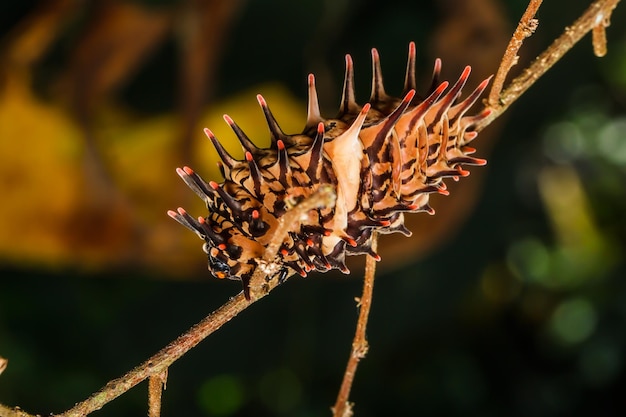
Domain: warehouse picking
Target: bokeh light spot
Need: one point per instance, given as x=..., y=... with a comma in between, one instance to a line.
x=563, y=142
x=529, y=260
x=573, y=321
x=221, y=395
x=612, y=141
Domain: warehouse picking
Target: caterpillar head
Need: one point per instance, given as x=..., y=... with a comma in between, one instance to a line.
x=236, y=261
x=232, y=232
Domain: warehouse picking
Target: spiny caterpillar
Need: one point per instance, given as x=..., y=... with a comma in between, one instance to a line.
x=383, y=159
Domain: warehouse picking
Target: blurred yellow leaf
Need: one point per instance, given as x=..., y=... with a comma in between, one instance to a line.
x=52, y=214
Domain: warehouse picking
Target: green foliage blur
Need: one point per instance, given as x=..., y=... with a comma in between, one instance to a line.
x=521, y=313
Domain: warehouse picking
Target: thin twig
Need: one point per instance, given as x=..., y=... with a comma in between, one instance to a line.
x=599, y=11
x=598, y=38
x=156, y=385
x=343, y=408
x=525, y=28
x=324, y=196
x=160, y=362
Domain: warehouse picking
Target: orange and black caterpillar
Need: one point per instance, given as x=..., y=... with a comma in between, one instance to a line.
x=383, y=159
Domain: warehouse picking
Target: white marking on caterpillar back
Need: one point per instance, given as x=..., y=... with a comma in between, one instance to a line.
x=345, y=153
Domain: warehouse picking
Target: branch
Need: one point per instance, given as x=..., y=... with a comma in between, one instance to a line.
x=325, y=196
x=156, y=385
x=598, y=37
x=598, y=14
x=526, y=27
x=156, y=367
x=159, y=363
x=13, y=412
x=342, y=407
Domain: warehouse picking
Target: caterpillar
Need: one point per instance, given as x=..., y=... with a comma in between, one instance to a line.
x=383, y=159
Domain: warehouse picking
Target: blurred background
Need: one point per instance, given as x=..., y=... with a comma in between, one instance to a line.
x=511, y=300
